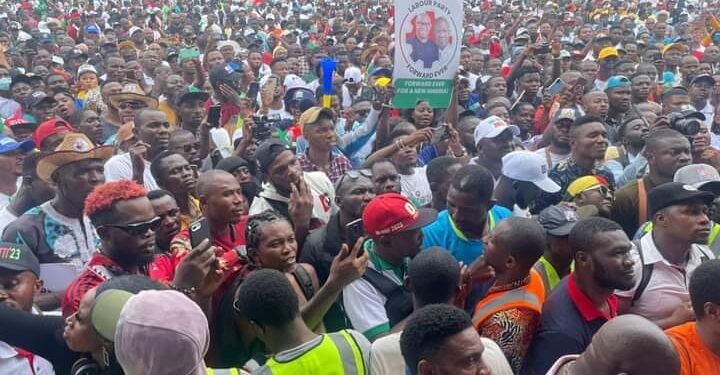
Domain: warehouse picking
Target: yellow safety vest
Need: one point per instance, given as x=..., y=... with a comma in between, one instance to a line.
x=714, y=232
x=223, y=371
x=337, y=354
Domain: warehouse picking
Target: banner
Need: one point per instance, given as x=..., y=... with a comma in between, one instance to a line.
x=428, y=36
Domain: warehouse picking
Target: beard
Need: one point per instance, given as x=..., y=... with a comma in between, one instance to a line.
x=605, y=280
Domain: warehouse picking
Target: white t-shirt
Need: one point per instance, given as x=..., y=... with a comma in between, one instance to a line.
x=386, y=358
x=365, y=305
x=555, y=159
x=416, y=186
x=119, y=167
x=12, y=363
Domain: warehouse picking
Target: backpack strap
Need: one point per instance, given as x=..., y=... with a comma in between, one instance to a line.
x=647, y=270
x=399, y=300
x=642, y=201
x=302, y=276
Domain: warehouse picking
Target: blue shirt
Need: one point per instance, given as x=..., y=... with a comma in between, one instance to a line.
x=443, y=233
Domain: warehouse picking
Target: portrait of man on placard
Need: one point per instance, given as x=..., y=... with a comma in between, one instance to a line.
x=423, y=50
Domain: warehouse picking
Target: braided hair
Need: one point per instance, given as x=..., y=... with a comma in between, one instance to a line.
x=253, y=231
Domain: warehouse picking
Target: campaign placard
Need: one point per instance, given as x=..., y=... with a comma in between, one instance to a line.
x=428, y=37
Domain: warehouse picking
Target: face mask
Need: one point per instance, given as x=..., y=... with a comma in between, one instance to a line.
x=4, y=83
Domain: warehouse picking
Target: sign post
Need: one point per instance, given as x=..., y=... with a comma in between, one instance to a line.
x=428, y=36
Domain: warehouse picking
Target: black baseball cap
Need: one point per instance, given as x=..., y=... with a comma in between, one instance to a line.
x=268, y=151
x=703, y=78
x=20, y=78
x=224, y=73
x=187, y=94
x=673, y=193
x=558, y=220
x=18, y=257
x=39, y=97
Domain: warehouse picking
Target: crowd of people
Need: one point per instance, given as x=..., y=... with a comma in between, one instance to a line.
x=179, y=196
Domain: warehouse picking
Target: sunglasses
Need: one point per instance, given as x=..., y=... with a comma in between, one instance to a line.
x=131, y=105
x=353, y=175
x=604, y=190
x=138, y=229
x=191, y=147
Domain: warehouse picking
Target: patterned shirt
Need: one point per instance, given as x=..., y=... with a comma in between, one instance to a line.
x=566, y=172
x=99, y=269
x=54, y=237
x=339, y=165
x=512, y=329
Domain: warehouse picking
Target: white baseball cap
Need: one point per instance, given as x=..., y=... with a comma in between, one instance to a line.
x=531, y=167
x=353, y=75
x=493, y=126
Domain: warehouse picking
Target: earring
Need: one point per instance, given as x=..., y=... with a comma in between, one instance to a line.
x=105, y=357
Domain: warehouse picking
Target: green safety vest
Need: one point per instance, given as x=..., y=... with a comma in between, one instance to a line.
x=337, y=354
x=223, y=371
x=548, y=273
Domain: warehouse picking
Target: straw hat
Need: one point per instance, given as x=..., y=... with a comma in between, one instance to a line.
x=135, y=93
x=75, y=147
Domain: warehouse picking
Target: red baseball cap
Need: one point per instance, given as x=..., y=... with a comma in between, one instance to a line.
x=48, y=128
x=392, y=213
x=18, y=121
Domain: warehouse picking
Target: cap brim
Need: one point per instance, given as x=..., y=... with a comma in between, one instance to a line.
x=128, y=96
x=709, y=186
x=198, y=95
x=45, y=99
x=15, y=267
x=547, y=185
x=707, y=79
x=426, y=216
x=24, y=146
x=47, y=165
x=106, y=312
x=706, y=196
x=563, y=230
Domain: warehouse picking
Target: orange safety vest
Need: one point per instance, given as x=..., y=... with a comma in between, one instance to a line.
x=531, y=296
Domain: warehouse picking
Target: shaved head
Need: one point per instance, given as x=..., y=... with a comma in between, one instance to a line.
x=622, y=346
x=213, y=179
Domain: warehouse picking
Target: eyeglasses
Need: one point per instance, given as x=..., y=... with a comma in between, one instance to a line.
x=138, y=229
x=353, y=175
x=131, y=105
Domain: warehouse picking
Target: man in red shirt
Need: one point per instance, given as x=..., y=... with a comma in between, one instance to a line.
x=221, y=202
x=126, y=223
